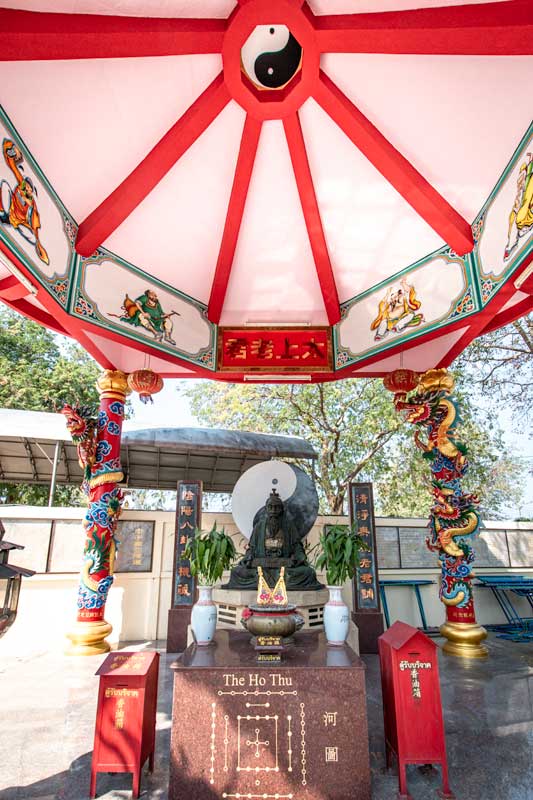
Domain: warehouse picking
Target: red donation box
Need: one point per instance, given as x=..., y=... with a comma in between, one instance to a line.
x=124, y=735
x=412, y=708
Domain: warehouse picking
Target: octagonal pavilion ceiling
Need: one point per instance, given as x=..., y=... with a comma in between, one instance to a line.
x=186, y=185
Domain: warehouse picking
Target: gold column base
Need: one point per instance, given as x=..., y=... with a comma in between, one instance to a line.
x=464, y=639
x=88, y=638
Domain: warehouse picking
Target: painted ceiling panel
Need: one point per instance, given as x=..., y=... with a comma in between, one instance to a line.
x=155, y=8
x=128, y=359
x=371, y=231
x=274, y=275
x=364, y=6
x=175, y=232
x=456, y=119
x=420, y=358
x=88, y=123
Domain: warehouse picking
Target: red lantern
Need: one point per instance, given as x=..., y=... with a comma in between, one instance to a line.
x=146, y=382
x=401, y=381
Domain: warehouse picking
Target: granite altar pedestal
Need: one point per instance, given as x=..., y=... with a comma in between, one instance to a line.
x=292, y=731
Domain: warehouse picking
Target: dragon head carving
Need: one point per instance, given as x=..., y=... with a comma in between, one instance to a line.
x=80, y=420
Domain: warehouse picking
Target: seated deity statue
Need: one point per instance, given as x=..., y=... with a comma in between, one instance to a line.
x=275, y=542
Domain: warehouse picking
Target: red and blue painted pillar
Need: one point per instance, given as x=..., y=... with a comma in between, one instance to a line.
x=98, y=442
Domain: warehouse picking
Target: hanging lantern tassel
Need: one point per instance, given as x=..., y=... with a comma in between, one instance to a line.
x=145, y=382
x=401, y=381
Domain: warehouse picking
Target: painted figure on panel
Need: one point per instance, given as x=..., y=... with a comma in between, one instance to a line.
x=18, y=206
x=147, y=312
x=521, y=216
x=397, y=310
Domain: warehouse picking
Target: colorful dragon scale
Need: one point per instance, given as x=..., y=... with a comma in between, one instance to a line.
x=454, y=514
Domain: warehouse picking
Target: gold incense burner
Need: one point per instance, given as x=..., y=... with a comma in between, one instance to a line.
x=272, y=620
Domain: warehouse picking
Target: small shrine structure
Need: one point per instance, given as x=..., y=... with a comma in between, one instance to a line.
x=270, y=191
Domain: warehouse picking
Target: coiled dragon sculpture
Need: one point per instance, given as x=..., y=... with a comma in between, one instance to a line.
x=104, y=508
x=453, y=514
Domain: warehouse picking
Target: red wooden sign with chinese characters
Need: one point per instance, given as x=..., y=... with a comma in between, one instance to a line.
x=367, y=607
x=412, y=708
x=274, y=350
x=188, y=519
x=124, y=735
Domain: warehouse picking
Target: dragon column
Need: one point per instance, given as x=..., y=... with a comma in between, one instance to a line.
x=454, y=518
x=98, y=442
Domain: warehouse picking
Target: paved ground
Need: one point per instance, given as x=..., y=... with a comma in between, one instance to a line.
x=47, y=708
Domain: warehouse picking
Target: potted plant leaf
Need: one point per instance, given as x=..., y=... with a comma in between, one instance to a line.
x=209, y=553
x=338, y=555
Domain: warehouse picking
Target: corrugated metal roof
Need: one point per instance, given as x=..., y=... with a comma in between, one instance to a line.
x=152, y=458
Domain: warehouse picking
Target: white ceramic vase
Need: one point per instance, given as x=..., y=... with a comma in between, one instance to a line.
x=204, y=616
x=336, y=617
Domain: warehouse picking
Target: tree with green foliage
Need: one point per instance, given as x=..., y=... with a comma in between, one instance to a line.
x=501, y=365
x=358, y=435
x=38, y=372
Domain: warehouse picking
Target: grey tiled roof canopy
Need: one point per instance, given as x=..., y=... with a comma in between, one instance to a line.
x=151, y=458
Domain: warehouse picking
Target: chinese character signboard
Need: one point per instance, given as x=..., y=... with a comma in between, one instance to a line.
x=274, y=350
x=362, y=516
x=367, y=607
x=188, y=518
x=136, y=539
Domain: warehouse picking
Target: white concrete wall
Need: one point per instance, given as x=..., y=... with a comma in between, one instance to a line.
x=138, y=603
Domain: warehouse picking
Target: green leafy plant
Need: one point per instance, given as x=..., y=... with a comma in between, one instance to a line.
x=210, y=553
x=338, y=553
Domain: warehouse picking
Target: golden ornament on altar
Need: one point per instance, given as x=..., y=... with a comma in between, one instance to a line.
x=271, y=597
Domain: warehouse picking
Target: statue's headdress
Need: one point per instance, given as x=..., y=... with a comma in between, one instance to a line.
x=274, y=499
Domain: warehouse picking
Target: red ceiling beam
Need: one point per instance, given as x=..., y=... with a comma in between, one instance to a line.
x=105, y=219
x=12, y=289
x=33, y=36
x=483, y=29
x=400, y=173
x=510, y=315
x=35, y=313
x=317, y=239
x=237, y=202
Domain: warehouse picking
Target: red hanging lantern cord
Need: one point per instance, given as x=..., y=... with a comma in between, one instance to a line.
x=145, y=382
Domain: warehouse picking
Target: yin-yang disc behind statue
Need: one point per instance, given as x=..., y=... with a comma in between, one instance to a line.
x=293, y=485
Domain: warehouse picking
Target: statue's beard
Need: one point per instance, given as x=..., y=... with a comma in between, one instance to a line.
x=273, y=524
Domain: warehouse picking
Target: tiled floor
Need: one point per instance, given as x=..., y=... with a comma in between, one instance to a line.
x=47, y=709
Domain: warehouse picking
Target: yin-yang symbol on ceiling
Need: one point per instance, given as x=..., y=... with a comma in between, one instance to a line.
x=271, y=56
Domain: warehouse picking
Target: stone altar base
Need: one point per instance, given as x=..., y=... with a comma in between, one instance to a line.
x=296, y=731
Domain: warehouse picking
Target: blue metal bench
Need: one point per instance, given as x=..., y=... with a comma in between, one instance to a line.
x=518, y=628
x=415, y=584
